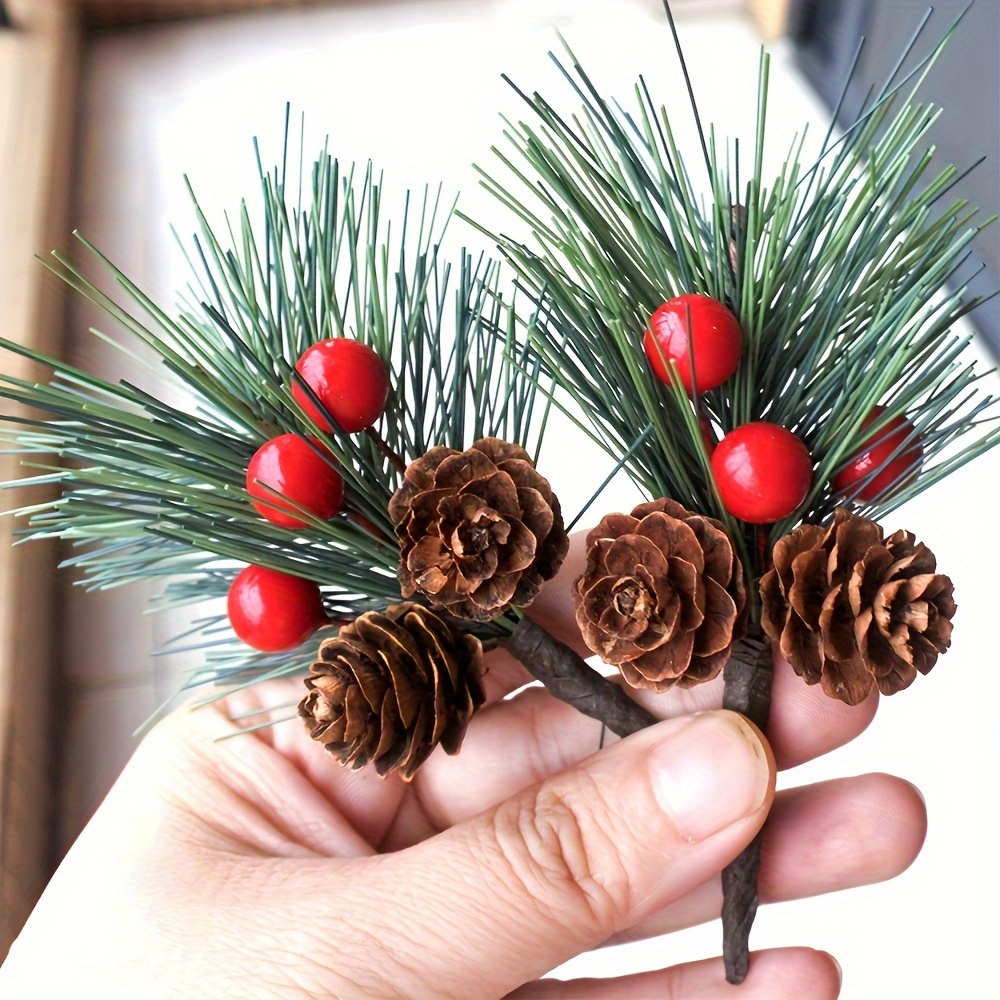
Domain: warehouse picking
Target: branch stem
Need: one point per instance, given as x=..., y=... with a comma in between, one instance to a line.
x=747, y=690
x=566, y=675
x=395, y=460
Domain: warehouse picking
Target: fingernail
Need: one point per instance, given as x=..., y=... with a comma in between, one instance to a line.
x=709, y=774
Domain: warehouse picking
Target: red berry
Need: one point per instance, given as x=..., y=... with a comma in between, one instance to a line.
x=350, y=380
x=763, y=472
x=715, y=334
x=273, y=611
x=293, y=467
x=874, y=453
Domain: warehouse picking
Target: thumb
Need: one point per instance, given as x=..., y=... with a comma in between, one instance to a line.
x=505, y=897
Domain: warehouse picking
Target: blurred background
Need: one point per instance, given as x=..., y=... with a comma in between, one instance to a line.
x=106, y=104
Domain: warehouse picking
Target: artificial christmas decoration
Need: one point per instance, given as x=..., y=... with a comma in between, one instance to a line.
x=837, y=272
x=273, y=611
x=480, y=531
x=884, y=462
x=348, y=380
x=662, y=597
x=853, y=610
x=295, y=469
x=762, y=471
x=701, y=336
x=197, y=492
x=364, y=422
x=391, y=686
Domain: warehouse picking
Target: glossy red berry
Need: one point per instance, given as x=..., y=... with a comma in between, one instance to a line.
x=294, y=468
x=714, y=333
x=763, y=472
x=875, y=452
x=350, y=380
x=273, y=611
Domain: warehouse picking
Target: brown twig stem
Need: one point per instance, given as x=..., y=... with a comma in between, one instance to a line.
x=362, y=522
x=747, y=690
x=398, y=464
x=566, y=675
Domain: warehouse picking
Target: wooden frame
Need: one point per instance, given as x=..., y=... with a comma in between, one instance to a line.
x=39, y=64
x=39, y=57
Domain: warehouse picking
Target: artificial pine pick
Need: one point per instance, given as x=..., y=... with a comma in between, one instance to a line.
x=841, y=383
x=361, y=427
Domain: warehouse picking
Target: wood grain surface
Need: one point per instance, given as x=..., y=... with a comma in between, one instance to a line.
x=38, y=64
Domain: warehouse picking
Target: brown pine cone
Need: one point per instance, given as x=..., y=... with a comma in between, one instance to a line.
x=851, y=609
x=479, y=531
x=662, y=597
x=391, y=686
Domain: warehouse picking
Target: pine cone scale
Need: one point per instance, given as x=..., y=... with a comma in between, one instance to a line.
x=536, y=511
x=811, y=582
x=622, y=555
x=869, y=572
x=852, y=539
x=875, y=647
x=391, y=686
x=802, y=539
x=662, y=596
x=674, y=539
x=846, y=681
x=719, y=621
x=370, y=686
x=522, y=544
x=716, y=549
x=669, y=660
x=479, y=531
x=802, y=648
x=458, y=470
x=855, y=610
x=772, y=604
x=836, y=625
x=688, y=584
x=495, y=595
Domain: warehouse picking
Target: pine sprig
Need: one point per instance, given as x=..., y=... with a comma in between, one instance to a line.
x=151, y=489
x=838, y=271
x=841, y=283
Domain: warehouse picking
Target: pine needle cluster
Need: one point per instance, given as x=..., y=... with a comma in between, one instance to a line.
x=154, y=490
x=841, y=271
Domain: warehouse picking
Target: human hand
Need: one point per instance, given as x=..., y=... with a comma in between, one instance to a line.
x=257, y=867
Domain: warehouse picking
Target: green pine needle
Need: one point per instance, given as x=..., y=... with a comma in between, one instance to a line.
x=841, y=285
x=154, y=490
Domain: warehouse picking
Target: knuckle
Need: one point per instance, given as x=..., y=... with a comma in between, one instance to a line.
x=561, y=856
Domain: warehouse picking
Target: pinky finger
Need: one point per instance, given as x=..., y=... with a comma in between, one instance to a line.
x=779, y=974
